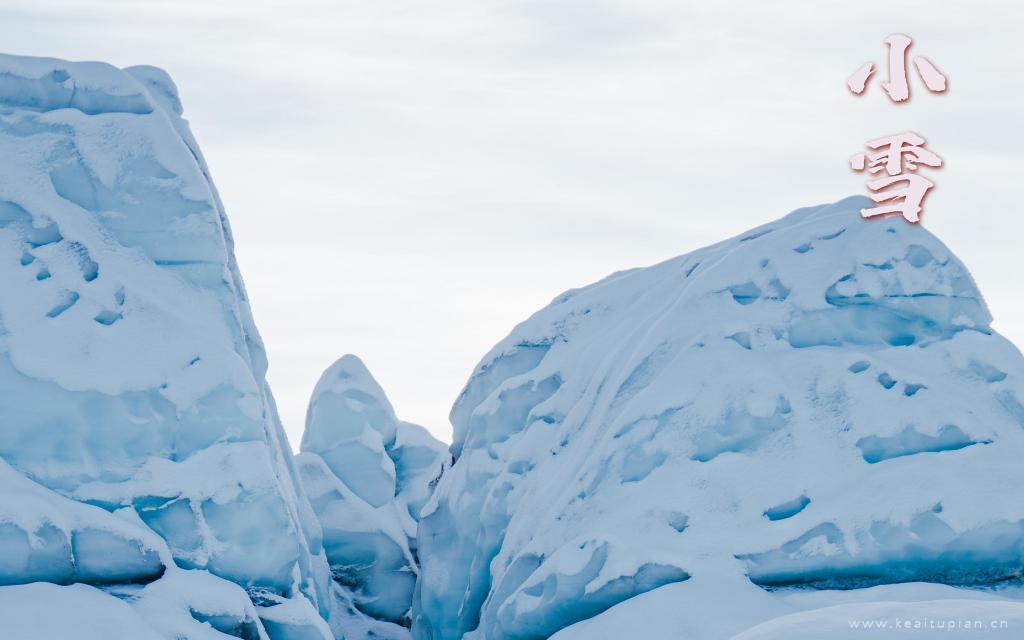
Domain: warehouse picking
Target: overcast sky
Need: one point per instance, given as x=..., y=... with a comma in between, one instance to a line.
x=408, y=180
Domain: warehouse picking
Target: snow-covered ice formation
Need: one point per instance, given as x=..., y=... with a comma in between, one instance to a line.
x=809, y=425
x=819, y=405
x=142, y=456
x=367, y=475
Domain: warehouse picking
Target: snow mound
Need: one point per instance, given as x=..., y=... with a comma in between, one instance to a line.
x=86, y=613
x=914, y=610
x=367, y=475
x=132, y=377
x=818, y=404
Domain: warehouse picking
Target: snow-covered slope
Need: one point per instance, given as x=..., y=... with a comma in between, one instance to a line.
x=818, y=404
x=139, y=440
x=368, y=475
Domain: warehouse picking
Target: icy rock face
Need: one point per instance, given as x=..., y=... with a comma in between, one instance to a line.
x=818, y=403
x=367, y=475
x=131, y=373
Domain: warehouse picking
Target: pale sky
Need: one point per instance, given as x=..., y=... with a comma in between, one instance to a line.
x=408, y=180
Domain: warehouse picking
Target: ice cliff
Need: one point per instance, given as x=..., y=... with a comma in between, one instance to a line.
x=368, y=475
x=815, y=413
x=145, y=473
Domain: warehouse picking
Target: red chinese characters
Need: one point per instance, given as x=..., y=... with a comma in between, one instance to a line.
x=898, y=84
x=895, y=159
x=899, y=157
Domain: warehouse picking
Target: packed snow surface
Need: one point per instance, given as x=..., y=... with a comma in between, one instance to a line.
x=817, y=405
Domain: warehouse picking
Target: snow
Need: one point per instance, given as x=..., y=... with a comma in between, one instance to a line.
x=925, y=619
x=86, y=613
x=367, y=476
x=196, y=604
x=682, y=611
x=818, y=404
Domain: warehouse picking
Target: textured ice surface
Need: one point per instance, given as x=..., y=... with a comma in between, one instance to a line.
x=367, y=475
x=131, y=374
x=817, y=404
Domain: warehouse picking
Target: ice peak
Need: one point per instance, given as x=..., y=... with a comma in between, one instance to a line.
x=347, y=398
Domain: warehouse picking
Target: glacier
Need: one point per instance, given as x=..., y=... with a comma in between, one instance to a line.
x=817, y=406
x=810, y=424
